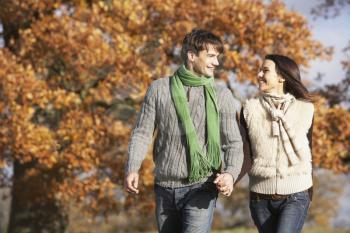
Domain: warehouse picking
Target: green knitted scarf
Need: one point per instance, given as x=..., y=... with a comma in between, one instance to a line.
x=201, y=163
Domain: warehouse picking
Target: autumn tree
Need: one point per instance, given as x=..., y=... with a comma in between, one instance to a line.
x=73, y=74
x=338, y=93
x=330, y=8
x=335, y=105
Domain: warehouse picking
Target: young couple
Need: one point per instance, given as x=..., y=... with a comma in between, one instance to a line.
x=198, y=149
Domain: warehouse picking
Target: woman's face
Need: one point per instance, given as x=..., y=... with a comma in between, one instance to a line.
x=268, y=79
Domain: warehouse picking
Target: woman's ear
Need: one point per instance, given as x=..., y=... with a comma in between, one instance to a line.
x=281, y=79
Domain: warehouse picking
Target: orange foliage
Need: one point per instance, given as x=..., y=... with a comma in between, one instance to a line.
x=72, y=73
x=331, y=137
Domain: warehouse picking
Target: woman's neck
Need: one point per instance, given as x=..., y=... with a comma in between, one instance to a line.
x=278, y=92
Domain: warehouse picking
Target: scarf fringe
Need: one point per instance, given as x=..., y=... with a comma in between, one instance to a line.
x=200, y=167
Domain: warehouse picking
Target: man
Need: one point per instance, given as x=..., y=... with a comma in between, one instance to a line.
x=195, y=123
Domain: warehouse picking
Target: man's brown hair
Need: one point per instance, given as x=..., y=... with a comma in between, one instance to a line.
x=198, y=40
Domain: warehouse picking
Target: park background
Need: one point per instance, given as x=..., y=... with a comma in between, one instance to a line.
x=72, y=78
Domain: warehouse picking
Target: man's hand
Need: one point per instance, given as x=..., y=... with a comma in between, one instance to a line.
x=131, y=182
x=224, y=183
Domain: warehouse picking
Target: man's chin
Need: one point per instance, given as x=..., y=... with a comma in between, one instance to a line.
x=209, y=74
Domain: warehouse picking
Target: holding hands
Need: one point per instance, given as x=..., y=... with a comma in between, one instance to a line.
x=224, y=183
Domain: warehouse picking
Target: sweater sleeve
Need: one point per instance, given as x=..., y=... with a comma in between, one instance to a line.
x=247, y=161
x=309, y=134
x=231, y=139
x=142, y=134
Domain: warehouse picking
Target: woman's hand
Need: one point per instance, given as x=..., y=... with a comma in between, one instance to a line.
x=224, y=183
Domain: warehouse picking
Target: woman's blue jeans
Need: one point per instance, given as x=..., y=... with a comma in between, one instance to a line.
x=280, y=216
x=187, y=209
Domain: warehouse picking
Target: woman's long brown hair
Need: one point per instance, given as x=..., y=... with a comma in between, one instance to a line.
x=289, y=70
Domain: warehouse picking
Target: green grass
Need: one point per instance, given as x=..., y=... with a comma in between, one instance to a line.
x=237, y=230
x=313, y=230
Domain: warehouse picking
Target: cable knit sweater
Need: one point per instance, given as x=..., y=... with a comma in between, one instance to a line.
x=272, y=172
x=170, y=154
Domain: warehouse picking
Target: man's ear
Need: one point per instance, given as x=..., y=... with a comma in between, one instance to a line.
x=190, y=56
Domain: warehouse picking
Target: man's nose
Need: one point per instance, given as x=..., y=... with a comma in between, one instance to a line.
x=260, y=74
x=216, y=62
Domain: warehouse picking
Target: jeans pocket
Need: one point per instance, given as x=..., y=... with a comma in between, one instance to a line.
x=159, y=190
x=211, y=188
x=302, y=199
x=155, y=188
x=253, y=203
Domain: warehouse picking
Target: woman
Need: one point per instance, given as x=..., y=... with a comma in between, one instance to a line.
x=279, y=128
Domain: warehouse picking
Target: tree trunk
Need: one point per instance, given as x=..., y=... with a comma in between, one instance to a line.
x=33, y=209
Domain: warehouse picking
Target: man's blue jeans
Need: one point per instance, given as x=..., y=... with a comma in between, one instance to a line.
x=187, y=209
x=280, y=216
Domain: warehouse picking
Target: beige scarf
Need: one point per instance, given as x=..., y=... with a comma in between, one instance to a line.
x=280, y=127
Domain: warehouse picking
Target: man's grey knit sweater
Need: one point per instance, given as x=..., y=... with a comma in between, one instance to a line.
x=170, y=153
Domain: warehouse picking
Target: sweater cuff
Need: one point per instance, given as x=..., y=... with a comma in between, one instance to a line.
x=233, y=171
x=132, y=167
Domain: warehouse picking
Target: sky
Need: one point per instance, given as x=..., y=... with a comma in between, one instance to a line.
x=330, y=32
x=1, y=38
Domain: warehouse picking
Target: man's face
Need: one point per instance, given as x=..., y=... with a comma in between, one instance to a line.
x=205, y=62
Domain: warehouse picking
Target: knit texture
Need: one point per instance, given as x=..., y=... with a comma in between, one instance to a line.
x=272, y=170
x=170, y=151
x=201, y=164
x=280, y=126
